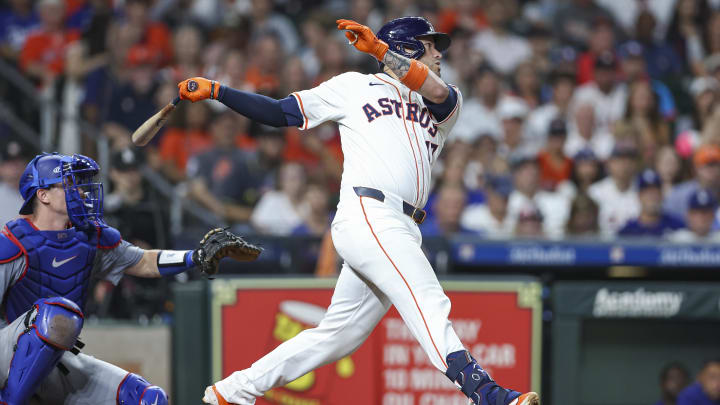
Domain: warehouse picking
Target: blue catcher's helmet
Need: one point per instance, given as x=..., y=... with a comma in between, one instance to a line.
x=76, y=173
x=401, y=36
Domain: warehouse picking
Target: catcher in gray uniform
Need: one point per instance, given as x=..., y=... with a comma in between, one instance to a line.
x=47, y=257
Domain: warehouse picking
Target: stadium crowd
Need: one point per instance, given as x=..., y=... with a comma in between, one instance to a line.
x=595, y=118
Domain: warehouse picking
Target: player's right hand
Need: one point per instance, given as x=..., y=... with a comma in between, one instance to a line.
x=198, y=88
x=362, y=38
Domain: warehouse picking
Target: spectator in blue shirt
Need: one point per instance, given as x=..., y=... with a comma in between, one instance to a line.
x=16, y=23
x=673, y=378
x=635, y=67
x=652, y=221
x=449, y=206
x=706, y=390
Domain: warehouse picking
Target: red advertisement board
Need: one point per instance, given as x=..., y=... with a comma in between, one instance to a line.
x=497, y=321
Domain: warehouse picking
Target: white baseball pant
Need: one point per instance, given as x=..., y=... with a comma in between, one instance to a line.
x=384, y=265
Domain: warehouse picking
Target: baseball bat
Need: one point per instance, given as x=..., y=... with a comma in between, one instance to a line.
x=149, y=128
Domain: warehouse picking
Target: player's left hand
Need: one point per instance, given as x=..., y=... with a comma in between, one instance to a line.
x=219, y=243
x=362, y=38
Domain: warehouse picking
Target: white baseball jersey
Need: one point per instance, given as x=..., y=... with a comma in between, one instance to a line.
x=390, y=139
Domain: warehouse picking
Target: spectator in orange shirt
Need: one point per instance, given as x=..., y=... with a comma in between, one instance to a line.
x=465, y=14
x=43, y=55
x=155, y=35
x=180, y=143
x=555, y=167
x=602, y=40
x=263, y=73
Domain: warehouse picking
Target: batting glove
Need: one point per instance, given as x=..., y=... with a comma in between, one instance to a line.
x=198, y=88
x=362, y=38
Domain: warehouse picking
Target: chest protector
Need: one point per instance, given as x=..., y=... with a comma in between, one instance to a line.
x=58, y=264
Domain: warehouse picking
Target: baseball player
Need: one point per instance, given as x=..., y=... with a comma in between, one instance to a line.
x=392, y=126
x=47, y=257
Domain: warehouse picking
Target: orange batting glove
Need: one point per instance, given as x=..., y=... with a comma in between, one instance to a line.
x=362, y=38
x=198, y=88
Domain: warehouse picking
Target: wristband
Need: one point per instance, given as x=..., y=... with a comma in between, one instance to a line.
x=416, y=75
x=171, y=262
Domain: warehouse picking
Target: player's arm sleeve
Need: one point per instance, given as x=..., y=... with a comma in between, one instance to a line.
x=443, y=110
x=447, y=122
x=263, y=109
x=326, y=102
x=112, y=263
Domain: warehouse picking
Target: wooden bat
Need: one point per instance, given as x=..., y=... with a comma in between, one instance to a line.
x=149, y=128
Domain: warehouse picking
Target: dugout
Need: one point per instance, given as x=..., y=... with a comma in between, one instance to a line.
x=611, y=339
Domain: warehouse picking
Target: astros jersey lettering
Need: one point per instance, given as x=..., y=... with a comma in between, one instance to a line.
x=390, y=140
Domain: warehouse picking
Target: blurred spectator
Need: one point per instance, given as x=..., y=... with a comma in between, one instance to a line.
x=686, y=30
x=707, y=176
x=652, y=221
x=673, y=378
x=225, y=179
x=604, y=93
x=462, y=14
x=448, y=207
x=504, y=51
x=154, y=36
x=706, y=391
x=316, y=211
x=627, y=13
x=105, y=80
x=14, y=159
x=132, y=207
x=131, y=103
x=541, y=42
x=602, y=41
x=16, y=23
x=512, y=114
x=526, y=84
x=574, y=21
x=616, y=195
x=634, y=67
x=279, y=211
x=263, y=73
x=662, y=61
x=187, y=43
x=43, y=53
x=704, y=91
x=529, y=223
x=178, y=143
x=267, y=22
x=480, y=112
x=669, y=168
x=583, y=219
x=700, y=217
x=538, y=122
x=555, y=167
x=484, y=162
x=643, y=116
x=586, y=170
x=585, y=134
x=554, y=207
x=490, y=219
x=711, y=45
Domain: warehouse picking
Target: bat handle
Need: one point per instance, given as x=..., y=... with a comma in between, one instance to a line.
x=176, y=101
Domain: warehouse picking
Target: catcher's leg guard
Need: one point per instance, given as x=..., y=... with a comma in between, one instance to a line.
x=475, y=382
x=56, y=325
x=136, y=390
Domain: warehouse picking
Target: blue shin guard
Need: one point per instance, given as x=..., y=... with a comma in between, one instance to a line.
x=475, y=382
x=54, y=330
x=136, y=390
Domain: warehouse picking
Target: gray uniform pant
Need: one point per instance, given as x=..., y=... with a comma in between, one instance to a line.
x=89, y=380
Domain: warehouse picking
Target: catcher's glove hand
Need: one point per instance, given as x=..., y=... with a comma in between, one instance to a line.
x=219, y=243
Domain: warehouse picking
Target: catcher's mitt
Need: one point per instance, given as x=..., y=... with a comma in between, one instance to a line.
x=219, y=243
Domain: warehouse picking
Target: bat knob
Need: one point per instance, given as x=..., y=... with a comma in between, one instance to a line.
x=192, y=85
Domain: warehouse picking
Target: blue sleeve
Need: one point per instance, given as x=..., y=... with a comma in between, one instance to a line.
x=441, y=110
x=265, y=110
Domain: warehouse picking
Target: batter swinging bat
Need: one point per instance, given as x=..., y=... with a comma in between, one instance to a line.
x=149, y=128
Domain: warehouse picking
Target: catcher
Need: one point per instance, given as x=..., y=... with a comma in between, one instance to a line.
x=47, y=257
